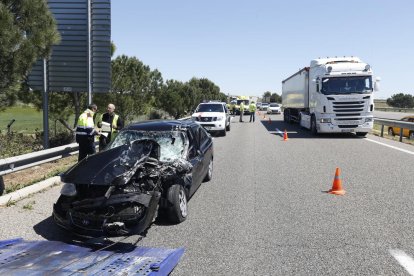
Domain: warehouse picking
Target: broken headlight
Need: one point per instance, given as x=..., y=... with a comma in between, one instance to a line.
x=68, y=189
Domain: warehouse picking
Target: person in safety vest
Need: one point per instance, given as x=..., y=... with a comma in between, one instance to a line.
x=241, y=111
x=85, y=132
x=113, y=125
x=252, y=110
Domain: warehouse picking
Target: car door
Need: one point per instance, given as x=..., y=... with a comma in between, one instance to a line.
x=195, y=157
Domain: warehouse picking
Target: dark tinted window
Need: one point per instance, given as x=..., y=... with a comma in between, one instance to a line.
x=210, y=108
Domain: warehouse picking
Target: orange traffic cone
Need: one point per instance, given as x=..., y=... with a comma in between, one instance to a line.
x=285, y=136
x=337, y=184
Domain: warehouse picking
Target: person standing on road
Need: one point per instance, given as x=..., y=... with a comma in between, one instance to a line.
x=252, y=110
x=115, y=125
x=85, y=132
x=241, y=111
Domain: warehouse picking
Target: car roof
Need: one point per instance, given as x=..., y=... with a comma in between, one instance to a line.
x=160, y=125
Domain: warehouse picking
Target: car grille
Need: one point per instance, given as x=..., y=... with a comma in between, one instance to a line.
x=204, y=119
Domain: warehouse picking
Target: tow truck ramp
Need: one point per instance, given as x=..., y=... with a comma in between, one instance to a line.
x=20, y=257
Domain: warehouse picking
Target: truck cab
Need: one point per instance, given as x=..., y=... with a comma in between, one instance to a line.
x=332, y=95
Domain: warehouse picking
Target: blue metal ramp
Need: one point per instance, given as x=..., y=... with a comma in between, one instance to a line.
x=19, y=257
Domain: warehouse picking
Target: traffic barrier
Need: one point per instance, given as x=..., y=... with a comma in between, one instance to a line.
x=337, y=184
x=285, y=136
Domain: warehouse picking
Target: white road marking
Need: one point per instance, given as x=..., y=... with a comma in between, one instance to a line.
x=405, y=261
x=403, y=150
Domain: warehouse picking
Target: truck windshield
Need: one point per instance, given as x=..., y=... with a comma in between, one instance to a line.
x=347, y=85
x=246, y=102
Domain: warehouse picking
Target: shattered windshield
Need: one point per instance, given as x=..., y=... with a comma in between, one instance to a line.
x=347, y=85
x=172, y=143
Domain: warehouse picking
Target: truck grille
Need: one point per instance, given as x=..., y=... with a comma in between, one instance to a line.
x=348, y=108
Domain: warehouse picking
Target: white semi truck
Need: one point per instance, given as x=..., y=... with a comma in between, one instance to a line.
x=332, y=95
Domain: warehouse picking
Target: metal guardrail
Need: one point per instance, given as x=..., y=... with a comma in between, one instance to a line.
x=394, y=123
x=20, y=162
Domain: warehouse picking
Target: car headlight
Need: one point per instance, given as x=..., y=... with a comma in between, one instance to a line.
x=219, y=118
x=325, y=120
x=68, y=189
x=369, y=119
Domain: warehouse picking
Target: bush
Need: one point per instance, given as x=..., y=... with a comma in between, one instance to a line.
x=13, y=144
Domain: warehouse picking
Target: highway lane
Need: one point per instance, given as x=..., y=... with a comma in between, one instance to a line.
x=266, y=212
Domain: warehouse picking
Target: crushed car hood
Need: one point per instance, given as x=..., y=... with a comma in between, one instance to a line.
x=113, y=166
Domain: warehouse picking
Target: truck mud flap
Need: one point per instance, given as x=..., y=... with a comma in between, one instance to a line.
x=19, y=257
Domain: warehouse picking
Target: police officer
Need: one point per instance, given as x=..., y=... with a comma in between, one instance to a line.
x=241, y=111
x=115, y=124
x=252, y=110
x=85, y=132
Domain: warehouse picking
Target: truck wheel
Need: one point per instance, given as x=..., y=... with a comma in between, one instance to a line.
x=177, y=198
x=411, y=137
x=285, y=116
x=314, y=130
x=390, y=132
x=361, y=134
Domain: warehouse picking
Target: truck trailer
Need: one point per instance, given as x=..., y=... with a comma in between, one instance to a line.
x=333, y=95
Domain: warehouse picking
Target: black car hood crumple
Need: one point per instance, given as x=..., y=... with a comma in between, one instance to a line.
x=113, y=166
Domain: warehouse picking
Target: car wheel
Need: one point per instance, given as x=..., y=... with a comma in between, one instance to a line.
x=361, y=134
x=177, y=198
x=209, y=174
x=390, y=131
x=314, y=130
x=228, y=127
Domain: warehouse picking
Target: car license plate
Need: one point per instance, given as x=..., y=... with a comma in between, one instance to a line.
x=347, y=130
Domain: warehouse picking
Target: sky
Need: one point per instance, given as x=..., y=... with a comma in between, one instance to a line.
x=249, y=47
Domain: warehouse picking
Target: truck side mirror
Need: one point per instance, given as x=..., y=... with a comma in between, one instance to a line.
x=376, y=84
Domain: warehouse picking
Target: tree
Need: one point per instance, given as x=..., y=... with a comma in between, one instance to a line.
x=275, y=98
x=266, y=96
x=27, y=33
x=401, y=100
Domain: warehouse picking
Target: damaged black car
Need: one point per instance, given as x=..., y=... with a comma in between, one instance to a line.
x=151, y=168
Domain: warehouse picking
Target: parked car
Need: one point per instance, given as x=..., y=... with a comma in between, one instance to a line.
x=406, y=132
x=273, y=108
x=214, y=117
x=150, y=166
x=264, y=106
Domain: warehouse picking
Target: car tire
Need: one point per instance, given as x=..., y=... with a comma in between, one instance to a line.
x=228, y=127
x=361, y=134
x=177, y=198
x=391, y=132
x=209, y=174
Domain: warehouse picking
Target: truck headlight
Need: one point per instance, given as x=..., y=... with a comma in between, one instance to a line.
x=367, y=120
x=219, y=118
x=68, y=189
x=325, y=120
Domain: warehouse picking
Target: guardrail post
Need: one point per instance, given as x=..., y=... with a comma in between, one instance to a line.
x=382, y=130
x=1, y=185
x=401, y=134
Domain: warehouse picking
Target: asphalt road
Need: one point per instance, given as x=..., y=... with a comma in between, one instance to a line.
x=266, y=211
